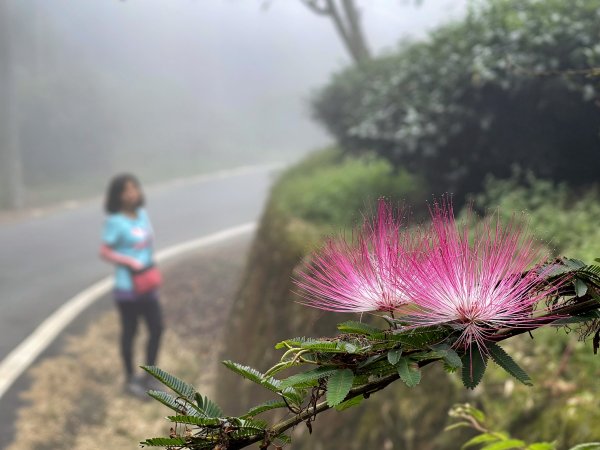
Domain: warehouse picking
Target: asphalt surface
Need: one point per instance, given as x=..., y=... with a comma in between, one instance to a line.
x=47, y=260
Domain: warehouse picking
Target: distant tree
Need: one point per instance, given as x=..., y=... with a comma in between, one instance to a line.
x=56, y=127
x=346, y=18
x=11, y=179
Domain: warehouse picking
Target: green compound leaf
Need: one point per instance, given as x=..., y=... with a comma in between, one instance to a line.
x=419, y=338
x=474, y=365
x=270, y=383
x=361, y=328
x=319, y=345
x=198, y=421
x=338, y=386
x=164, y=442
x=293, y=395
x=587, y=446
x=248, y=428
x=409, y=372
x=207, y=406
x=177, y=404
x=393, y=356
x=350, y=403
x=505, y=445
x=254, y=375
x=573, y=263
x=172, y=382
x=484, y=438
x=500, y=357
x=308, y=379
x=541, y=446
x=456, y=425
x=266, y=406
x=370, y=360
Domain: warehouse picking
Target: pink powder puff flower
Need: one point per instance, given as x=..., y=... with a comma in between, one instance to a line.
x=476, y=280
x=359, y=276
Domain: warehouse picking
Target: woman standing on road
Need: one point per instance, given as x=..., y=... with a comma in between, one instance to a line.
x=127, y=240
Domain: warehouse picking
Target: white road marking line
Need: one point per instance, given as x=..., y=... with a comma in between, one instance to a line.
x=21, y=357
x=36, y=213
x=219, y=175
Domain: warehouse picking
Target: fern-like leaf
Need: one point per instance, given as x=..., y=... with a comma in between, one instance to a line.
x=318, y=345
x=500, y=357
x=175, y=384
x=361, y=328
x=419, y=338
x=474, y=364
x=293, y=395
x=308, y=379
x=209, y=422
x=164, y=442
x=208, y=407
x=266, y=406
x=572, y=263
x=350, y=403
x=587, y=446
x=177, y=404
x=254, y=375
x=249, y=427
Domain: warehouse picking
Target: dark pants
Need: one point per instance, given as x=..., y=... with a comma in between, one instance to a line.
x=148, y=308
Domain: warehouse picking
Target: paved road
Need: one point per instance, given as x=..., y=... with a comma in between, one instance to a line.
x=45, y=261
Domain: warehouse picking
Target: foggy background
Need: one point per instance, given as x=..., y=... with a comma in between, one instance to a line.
x=173, y=88
x=496, y=102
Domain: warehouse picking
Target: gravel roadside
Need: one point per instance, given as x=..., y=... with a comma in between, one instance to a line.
x=75, y=398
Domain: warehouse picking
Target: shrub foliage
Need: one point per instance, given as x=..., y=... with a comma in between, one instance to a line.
x=517, y=81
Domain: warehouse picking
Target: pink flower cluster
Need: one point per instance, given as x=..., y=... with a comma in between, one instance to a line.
x=475, y=279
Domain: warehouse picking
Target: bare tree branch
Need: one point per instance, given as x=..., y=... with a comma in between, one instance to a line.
x=314, y=6
x=346, y=19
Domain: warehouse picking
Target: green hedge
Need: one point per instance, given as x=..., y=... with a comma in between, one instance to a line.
x=565, y=219
x=331, y=190
x=517, y=81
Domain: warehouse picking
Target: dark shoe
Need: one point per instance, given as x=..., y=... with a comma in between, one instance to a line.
x=150, y=383
x=135, y=387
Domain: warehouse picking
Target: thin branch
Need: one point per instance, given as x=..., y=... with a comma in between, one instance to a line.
x=585, y=304
x=314, y=6
x=364, y=390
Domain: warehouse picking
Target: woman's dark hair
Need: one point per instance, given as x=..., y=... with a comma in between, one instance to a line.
x=116, y=187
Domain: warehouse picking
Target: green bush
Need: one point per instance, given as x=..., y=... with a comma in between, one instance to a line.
x=515, y=82
x=567, y=220
x=329, y=190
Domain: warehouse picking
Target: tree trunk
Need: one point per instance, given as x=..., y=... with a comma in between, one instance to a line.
x=346, y=19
